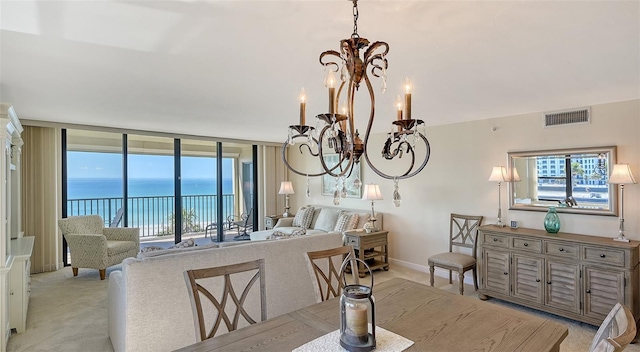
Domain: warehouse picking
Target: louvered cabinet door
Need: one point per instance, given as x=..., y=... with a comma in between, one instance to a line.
x=527, y=277
x=562, y=286
x=603, y=289
x=495, y=271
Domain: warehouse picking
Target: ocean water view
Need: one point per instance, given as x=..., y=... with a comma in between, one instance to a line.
x=150, y=202
x=83, y=188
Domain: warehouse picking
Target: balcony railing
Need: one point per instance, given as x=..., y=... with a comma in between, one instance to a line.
x=154, y=214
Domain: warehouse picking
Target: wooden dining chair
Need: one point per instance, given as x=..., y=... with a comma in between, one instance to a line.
x=325, y=265
x=616, y=331
x=198, y=293
x=463, y=232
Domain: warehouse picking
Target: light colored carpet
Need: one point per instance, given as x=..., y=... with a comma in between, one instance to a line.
x=69, y=313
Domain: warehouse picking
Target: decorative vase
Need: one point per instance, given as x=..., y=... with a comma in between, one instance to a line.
x=552, y=221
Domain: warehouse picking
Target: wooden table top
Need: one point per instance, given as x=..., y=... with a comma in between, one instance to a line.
x=434, y=319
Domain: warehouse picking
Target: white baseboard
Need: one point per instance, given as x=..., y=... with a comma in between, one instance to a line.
x=468, y=277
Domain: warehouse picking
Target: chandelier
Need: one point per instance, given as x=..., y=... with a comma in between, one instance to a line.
x=335, y=131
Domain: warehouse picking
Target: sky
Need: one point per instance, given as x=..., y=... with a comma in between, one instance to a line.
x=109, y=165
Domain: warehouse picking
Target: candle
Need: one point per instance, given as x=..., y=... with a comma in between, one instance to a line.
x=343, y=111
x=407, y=98
x=399, y=106
x=356, y=321
x=303, y=105
x=330, y=83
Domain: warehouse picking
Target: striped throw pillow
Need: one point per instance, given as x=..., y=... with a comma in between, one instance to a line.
x=346, y=221
x=303, y=217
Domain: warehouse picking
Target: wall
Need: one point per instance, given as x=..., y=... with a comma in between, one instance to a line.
x=455, y=180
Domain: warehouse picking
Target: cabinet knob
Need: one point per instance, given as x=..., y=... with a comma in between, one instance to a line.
x=561, y=249
x=526, y=244
x=588, y=291
x=495, y=240
x=506, y=273
x=602, y=255
x=537, y=280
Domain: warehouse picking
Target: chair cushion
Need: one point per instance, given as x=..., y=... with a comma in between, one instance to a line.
x=452, y=260
x=303, y=217
x=117, y=247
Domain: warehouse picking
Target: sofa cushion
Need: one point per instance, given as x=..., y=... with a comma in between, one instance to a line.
x=346, y=221
x=156, y=253
x=303, y=217
x=327, y=219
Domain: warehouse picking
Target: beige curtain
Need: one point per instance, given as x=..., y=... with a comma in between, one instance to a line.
x=274, y=171
x=40, y=195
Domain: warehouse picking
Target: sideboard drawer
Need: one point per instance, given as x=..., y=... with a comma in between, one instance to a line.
x=529, y=245
x=604, y=256
x=564, y=250
x=491, y=239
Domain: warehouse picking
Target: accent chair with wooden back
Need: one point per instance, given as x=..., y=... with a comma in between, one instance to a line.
x=617, y=330
x=238, y=275
x=325, y=267
x=96, y=247
x=463, y=232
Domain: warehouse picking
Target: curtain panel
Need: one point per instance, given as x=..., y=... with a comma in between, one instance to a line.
x=41, y=175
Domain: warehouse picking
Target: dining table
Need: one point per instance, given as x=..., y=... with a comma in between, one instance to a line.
x=434, y=319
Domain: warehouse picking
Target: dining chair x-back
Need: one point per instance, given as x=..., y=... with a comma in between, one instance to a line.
x=324, y=265
x=463, y=233
x=230, y=316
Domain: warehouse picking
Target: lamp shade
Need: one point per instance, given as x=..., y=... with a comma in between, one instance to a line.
x=514, y=175
x=372, y=192
x=621, y=174
x=286, y=188
x=498, y=174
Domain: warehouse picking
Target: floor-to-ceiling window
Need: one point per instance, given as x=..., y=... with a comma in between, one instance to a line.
x=166, y=196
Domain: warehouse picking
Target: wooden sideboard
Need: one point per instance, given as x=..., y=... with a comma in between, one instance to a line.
x=576, y=276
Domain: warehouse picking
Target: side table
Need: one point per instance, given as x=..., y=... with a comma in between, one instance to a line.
x=271, y=220
x=371, y=248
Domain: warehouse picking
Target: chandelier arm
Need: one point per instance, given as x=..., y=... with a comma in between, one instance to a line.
x=286, y=162
x=330, y=63
x=369, y=56
x=328, y=170
x=406, y=174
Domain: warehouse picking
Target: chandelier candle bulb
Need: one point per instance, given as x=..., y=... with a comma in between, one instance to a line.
x=407, y=98
x=303, y=106
x=332, y=92
x=399, y=106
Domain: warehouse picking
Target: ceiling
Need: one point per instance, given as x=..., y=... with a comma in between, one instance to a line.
x=234, y=69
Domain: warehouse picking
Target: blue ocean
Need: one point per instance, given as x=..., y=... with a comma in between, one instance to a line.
x=150, y=202
x=83, y=188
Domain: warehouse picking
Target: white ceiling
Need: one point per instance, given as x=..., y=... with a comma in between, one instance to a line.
x=234, y=69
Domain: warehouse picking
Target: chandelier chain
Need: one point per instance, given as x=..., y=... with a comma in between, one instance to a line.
x=355, y=20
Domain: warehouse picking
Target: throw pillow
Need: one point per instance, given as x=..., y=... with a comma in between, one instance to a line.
x=150, y=249
x=184, y=244
x=276, y=235
x=303, y=217
x=327, y=219
x=346, y=222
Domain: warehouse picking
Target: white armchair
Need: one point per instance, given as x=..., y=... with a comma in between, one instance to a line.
x=96, y=247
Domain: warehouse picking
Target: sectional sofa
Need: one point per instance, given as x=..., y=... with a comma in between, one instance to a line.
x=324, y=220
x=149, y=307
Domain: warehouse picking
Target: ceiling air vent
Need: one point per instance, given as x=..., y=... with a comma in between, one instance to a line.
x=567, y=117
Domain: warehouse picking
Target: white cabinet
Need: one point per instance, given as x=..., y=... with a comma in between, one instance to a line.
x=20, y=282
x=10, y=149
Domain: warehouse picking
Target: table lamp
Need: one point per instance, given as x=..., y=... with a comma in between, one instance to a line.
x=372, y=193
x=286, y=188
x=499, y=174
x=621, y=175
